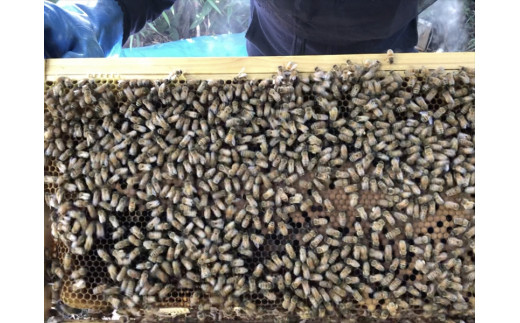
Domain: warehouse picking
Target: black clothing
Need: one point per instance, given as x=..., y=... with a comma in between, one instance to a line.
x=311, y=27
x=136, y=13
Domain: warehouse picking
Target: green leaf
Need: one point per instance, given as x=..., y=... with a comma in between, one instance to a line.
x=165, y=16
x=153, y=27
x=196, y=22
x=175, y=20
x=229, y=12
x=206, y=9
x=212, y=3
x=174, y=34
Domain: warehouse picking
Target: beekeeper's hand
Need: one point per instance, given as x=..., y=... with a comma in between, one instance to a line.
x=92, y=28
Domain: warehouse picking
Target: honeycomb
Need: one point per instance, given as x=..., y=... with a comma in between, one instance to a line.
x=437, y=227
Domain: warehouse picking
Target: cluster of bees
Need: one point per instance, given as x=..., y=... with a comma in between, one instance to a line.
x=218, y=168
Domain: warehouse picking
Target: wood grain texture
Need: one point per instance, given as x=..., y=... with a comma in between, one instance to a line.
x=229, y=67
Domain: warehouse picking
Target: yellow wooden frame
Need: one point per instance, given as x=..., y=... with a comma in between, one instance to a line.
x=229, y=67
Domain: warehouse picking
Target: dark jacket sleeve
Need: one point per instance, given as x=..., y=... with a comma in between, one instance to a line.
x=138, y=12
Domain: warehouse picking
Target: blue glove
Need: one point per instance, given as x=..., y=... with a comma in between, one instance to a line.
x=85, y=29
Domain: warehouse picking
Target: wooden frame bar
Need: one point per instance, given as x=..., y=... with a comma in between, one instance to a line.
x=229, y=67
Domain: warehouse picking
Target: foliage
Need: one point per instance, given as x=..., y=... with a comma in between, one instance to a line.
x=191, y=18
x=469, y=11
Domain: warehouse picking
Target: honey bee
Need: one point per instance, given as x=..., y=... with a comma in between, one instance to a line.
x=378, y=170
x=467, y=204
x=328, y=205
x=402, y=248
x=452, y=241
x=451, y=205
x=365, y=183
x=470, y=233
x=79, y=284
x=322, y=249
x=393, y=233
x=359, y=230
x=296, y=199
x=137, y=232
x=351, y=189
x=362, y=213
x=415, y=249
x=390, y=56
x=319, y=221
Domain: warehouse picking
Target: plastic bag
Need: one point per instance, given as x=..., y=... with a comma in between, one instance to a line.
x=224, y=45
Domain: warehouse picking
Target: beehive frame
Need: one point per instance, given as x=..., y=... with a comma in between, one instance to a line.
x=256, y=68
